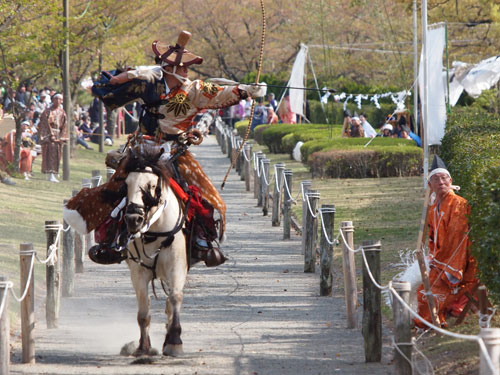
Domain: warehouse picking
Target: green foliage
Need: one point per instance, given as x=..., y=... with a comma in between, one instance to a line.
x=470, y=149
x=308, y=148
x=335, y=112
x=378, y=161
x=489, y=100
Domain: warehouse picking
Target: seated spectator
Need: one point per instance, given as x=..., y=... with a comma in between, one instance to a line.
x=408, y=134
x=80, y=140
x=356, y=130
x=84, y=128
x=272, y=117
x=346, y=128
x=386, y=130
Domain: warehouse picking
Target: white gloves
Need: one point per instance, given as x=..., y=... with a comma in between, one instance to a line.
x=254, y=91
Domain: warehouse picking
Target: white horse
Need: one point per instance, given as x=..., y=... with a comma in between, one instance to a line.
x=154, y=215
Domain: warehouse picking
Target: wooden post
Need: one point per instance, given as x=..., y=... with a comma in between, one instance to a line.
x=52, y=274
x=372, y=314
x=311, y=231
x=68, y=261
x=26, y=254
x=237, y=163
x=260, y=169
x=4, y=327
x=278, y=187
x=223, y=141
x=265, y=185
x=349, y=266
x=491, y=338
x=79, y=248
x=109, y=172
x=305, y=186
x=326, y=250
x=287, y=204
x=248, y=165
x=402, y=333
x=256, y=173
x=229, y=144
x=96, y=178
x=242, y=161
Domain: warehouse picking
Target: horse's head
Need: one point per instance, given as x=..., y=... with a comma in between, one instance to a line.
x=144, y=189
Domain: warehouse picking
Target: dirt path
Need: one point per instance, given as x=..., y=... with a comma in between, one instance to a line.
x=257, y=314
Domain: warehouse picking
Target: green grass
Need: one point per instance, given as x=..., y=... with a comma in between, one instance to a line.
x=385, y=209
x=25, y=207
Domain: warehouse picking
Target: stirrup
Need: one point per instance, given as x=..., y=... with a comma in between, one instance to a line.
x=212, y=256
x=106, y=254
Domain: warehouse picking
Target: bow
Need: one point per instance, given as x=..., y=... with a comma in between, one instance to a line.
x=252, y=109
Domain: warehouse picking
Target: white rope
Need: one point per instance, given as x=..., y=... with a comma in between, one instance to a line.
x=247, y=158
x=346, y=244
x=263, y=172
x=309, y=206
x=28, y=280
x=335, y=241
x=98, y=178
x=287, y=188
x=276, y=182
x=258, y=166
x=52, y=257
x=4, y=285
x=485, y=319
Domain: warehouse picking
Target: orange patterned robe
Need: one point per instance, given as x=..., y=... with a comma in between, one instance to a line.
x=452, y=269
x=184, y=102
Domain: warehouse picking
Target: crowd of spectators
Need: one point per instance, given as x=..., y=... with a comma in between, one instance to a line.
x=265, y=112
x=31, y=103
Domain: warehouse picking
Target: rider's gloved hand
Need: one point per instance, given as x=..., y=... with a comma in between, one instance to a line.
x=254, y=90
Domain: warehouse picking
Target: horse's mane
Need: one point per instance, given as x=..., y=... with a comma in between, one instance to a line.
x=143, y=156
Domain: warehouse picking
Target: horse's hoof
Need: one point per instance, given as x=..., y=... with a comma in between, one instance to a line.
x=173, y=350
x=129, y=349
x=142, y=352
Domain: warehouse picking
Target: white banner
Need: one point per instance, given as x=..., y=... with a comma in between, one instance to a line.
x=436, y=106
x=297, y=80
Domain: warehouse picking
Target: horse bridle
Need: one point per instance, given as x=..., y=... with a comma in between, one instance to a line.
x=151, y=236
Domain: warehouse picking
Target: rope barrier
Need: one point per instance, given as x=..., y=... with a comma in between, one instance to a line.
x=247, y=158
x=293, y=200
x=278, y=187
x=309, y=203
x=51, y=259
x=389, y=287
x=263, y=170
x=328, y=210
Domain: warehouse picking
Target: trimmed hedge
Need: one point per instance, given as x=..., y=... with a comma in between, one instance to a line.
x=471, y=149
x=282, y=138
x=378, y=161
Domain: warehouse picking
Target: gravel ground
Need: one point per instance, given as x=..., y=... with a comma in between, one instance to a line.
x=258, y=314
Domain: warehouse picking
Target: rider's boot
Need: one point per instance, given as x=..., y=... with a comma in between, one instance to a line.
x=105, y=253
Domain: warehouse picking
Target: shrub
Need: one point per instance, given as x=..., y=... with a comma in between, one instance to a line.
x=258, y=131
x=470, y=149
x=241, y=128
x=388, y=161
x=274, y=136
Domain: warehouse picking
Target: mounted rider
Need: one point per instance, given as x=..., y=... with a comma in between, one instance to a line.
x=170, y=102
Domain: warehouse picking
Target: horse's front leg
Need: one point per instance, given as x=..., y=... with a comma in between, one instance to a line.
x=140, y=280
x=175, y=273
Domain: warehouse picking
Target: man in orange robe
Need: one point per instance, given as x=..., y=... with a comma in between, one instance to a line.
x=452, y=269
